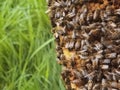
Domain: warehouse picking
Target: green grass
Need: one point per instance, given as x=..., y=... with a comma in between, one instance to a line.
x=27, y=51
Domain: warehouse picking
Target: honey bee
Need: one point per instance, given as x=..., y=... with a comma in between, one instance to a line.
x=67, y=45
x=82, y=88
x=77, y=45
x=104, y=88
x=77, y=73
x=64, y=3
x=115, y=35
x=57, y=15
x=59, y=30
x=105, y=67
x=84, y=9
x=56, y=4
x=75, y=1
x=103, y=15
x=89, y=17
x=65, y=39
x=58, y=47
x=95, y=63
x=117, y=11
x=48, y=11
x=90, y=84
x=85, y=35
x=98, y=46
x=63, y=14
x=91, y=75
x=109, y=10
x=112, y=18
x=114, y=63
x=106, y=61
x=118, y=72
x=68, y=3
x=77, y=27
x=83, y=15
x=83, y=27
x=104, y=82
x=99, y=76
x=95, y=35
x=107, y=76
x=114, y=84
x=96, y=14
x=112, y=24
x=111, y=55
x=70, y=15
x=83, y=57
x=89, y=66
x=71, y=44
x=96, y=86
x=70, y=25
x=56, y=35
x=93, y=25
x=82, y=19
x=74, y=34
x=77, y=82
x=62, y=57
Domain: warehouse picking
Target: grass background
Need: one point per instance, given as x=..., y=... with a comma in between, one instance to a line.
x=27, y=53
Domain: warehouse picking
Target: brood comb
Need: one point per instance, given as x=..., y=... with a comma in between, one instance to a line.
x=87, y=37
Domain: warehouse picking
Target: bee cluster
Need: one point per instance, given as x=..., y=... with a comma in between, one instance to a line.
x=87, y=35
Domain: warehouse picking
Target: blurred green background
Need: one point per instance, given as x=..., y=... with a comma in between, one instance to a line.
x=27, y=51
